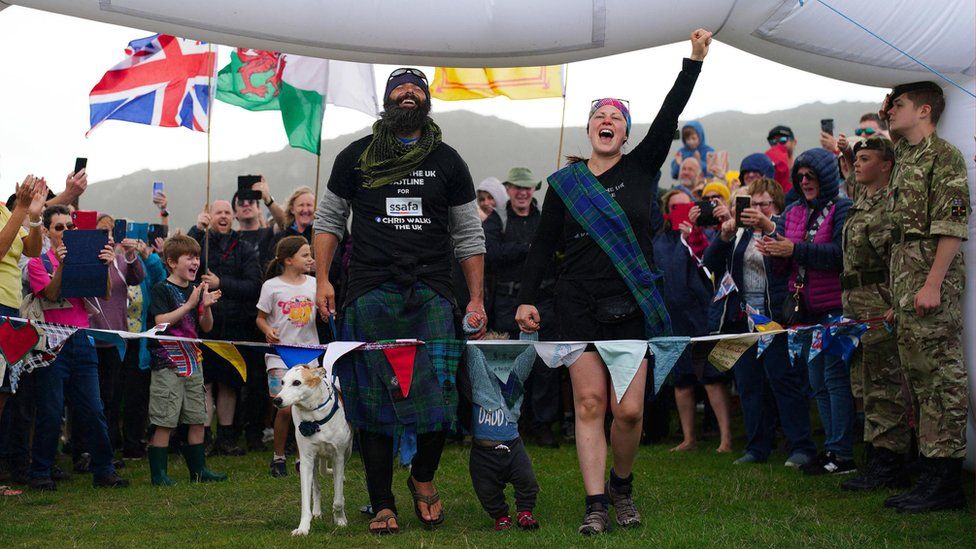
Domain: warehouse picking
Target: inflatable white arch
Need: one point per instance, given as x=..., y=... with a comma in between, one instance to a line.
x=505, y=33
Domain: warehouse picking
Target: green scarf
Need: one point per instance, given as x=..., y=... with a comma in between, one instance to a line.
x=387, y=159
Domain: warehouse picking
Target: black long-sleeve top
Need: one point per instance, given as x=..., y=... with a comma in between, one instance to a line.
x=633, y=182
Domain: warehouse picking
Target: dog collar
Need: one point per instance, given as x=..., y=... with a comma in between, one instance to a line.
x=309, y=428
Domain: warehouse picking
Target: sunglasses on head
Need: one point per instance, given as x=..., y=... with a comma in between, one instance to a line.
x=405, y=70
x=594, y=103
x=62, y=226
x=865, y=131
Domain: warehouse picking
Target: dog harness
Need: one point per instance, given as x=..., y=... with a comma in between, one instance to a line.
x=309, y=428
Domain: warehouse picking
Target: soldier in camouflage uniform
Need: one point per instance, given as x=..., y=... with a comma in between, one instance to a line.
x=876, y=372
x=928, y=203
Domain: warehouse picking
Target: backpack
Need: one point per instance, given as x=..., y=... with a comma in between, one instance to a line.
x=32, y=307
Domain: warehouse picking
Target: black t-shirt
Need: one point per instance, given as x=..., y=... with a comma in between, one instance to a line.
x=409, y=217
x=633, y=182
x=166, y=298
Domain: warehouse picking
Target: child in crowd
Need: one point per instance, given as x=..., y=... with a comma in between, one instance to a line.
x=694, y=146
x=286, y=315
x=176, y=393
x=498, y=455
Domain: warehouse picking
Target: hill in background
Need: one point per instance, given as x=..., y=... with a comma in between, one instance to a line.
x=489, y=145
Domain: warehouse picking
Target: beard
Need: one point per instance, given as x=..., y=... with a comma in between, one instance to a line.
x=404, y=121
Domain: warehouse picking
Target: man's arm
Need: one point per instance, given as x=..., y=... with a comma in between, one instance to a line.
x=276, y=210
x=74, y=187
x=325, y=245
x=474, y=276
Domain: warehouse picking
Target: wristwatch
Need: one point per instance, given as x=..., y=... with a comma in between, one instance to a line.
x=163, y=213
x=269, y=202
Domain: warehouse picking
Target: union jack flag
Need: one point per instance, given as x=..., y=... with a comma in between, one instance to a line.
x=163, y=81
x=184, y=355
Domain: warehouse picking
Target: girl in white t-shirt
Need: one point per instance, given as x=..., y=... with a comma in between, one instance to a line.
x=286, y=315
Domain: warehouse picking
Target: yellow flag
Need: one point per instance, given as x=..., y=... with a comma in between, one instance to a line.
x=228, y=352
x=452, y=84
x=727, y=351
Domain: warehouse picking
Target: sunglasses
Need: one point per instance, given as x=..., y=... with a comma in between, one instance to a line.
x=865, y=131
x=808, y=176
x=780, y=139
x=594, y=103
x=62, y=226
x=400, y=72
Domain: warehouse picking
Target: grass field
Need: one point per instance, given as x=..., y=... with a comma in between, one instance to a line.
x=687, y=500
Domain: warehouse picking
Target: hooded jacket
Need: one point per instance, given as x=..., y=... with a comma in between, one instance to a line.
x=823, y=258
x=687, y=290
x=703, y=150
x=758, y=162
x=780, y=156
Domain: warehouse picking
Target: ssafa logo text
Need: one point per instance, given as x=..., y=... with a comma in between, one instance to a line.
x=404, y=207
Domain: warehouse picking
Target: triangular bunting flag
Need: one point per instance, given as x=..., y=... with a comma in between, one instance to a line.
x=794, y=344
x=228, y=352
x=57, y=334
x=294, y=356
x=558, y=354
x=13, y=375
x=764, y=341
x=501, y=358
x=844, y=339
x=401, y=360
x=727, y=351
x=623, y=358
x=666, y=351
x=110, y=338
x=817, y=336
x=335, y=350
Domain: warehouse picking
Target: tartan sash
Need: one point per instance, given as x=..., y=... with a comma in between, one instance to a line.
x=601, y=216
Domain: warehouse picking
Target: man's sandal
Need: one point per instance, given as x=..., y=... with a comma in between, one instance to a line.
x=384, y=517
x=429, y=500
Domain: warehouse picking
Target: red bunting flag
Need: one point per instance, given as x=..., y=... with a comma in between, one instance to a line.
x=16, y=342
x=401, y=359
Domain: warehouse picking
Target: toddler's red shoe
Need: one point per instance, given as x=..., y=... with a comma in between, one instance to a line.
x=526, y=521
x=503, y=523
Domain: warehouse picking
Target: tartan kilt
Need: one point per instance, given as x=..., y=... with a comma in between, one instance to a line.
x=371, y=393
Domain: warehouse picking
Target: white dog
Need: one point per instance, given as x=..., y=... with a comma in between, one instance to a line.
x=322, y=435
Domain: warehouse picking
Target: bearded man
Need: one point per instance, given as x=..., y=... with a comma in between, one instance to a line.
x=414, y=201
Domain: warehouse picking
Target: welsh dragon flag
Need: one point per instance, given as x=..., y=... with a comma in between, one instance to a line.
x=299, y=87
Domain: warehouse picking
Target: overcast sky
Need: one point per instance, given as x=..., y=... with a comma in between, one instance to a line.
x=52, y=62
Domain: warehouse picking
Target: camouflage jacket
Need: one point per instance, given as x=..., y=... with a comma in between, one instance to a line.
x=867, y=247
x=929, y=193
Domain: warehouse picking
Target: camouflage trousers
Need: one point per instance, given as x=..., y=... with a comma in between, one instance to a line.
x=876, y=373
x=931, y=349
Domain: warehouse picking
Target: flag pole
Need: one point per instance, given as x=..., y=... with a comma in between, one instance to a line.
x=562, y=123
x=206, y=205
x=318, y=169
